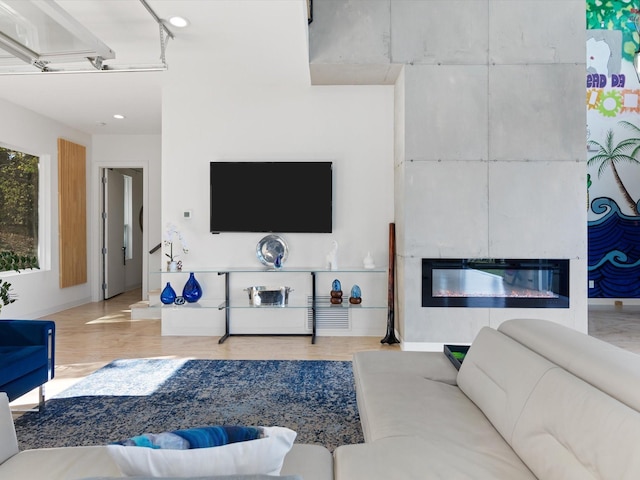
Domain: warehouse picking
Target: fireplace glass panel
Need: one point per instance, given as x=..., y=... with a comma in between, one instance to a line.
x=497, y=283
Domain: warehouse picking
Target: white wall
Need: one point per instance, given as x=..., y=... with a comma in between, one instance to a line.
x=38, y=291
x=209, y=117
x=351, y=127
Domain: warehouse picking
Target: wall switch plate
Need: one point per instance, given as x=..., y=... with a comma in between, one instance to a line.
x=592, y=284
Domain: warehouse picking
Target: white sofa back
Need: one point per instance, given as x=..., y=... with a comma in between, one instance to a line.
x=558, y=402
x=609, y=368
x=498, y=375
x=8, y=439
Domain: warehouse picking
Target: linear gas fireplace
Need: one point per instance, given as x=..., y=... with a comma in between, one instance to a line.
x=495, y=283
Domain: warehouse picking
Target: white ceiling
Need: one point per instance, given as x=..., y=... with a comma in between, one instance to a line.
x=221, y=31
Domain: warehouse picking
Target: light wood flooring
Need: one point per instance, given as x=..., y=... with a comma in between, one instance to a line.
x=617, y=325
x=92, y=335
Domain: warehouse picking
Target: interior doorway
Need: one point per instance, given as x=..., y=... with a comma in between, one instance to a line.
x=122, y=230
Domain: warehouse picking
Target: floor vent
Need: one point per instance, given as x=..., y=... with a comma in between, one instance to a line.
x=327, y=318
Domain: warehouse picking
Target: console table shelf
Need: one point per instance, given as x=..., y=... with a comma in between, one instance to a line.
x=227, y=304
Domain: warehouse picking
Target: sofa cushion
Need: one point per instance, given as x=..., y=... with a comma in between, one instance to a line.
x=60, y=463
x=498, y=375
x=18, y=361
x=423, y=407
x=607, y=367
x=427, y=458
x=430, y=365
x=216, y=477
x=570, y=430
x=312, y=462
x=260, y=456
x=397, y=399
x=8, y=439
x=380, y=375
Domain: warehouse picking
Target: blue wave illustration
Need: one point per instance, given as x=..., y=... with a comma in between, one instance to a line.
x=614, y=252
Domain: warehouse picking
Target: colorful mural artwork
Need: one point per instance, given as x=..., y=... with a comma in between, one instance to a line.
x=615, y=272
x=615, y=15
x=613, y=148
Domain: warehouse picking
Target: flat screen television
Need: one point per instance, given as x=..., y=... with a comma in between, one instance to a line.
x=284, y=197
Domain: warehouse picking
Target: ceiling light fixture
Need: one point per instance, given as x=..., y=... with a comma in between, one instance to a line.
x=118, y=116
x=179, y=22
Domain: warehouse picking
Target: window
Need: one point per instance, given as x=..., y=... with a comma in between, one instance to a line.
x=128, y=216
x=19, y=174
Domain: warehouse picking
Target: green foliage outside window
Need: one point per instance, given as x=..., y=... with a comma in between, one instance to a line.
x=18, y=215
x=18, y=203
x=12, y=261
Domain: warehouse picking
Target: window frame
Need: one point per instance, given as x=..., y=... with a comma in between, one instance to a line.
x=44, y=209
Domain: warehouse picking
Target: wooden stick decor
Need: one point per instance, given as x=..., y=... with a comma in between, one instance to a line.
x=390, y=337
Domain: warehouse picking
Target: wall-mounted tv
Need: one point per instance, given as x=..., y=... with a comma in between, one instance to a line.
x=285, y=197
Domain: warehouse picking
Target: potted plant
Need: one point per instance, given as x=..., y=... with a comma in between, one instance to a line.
x=11, y=261
x=171, y=235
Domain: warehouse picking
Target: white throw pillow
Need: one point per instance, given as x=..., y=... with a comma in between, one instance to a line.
x=252, y=457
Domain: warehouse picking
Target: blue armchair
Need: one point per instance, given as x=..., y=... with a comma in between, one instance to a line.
x=27, y=360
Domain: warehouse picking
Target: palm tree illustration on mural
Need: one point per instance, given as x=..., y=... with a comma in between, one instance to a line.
x=610, y=155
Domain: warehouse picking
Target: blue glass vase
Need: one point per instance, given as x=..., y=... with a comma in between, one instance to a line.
x=192, y=290
x=168, y=294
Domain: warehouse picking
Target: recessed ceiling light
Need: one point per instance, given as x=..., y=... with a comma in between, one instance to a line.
x=179, y=22
x=118, y=116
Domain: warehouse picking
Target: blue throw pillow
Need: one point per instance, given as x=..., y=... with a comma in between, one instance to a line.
x=201, y=437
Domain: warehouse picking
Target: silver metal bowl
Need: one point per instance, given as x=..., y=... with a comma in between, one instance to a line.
x=268, y=296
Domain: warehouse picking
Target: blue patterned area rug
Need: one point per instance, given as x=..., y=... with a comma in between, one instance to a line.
x=130, y=397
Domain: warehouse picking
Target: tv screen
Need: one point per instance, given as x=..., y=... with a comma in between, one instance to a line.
x=286, y=197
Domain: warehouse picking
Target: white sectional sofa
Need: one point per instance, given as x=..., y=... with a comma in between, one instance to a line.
x=532, y=399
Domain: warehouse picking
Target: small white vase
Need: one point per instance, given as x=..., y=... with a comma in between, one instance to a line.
x=332, y=257
x=368, y=261
x=172, y=266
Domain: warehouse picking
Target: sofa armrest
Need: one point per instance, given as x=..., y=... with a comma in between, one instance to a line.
x=8, y=439
x=16, y=333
